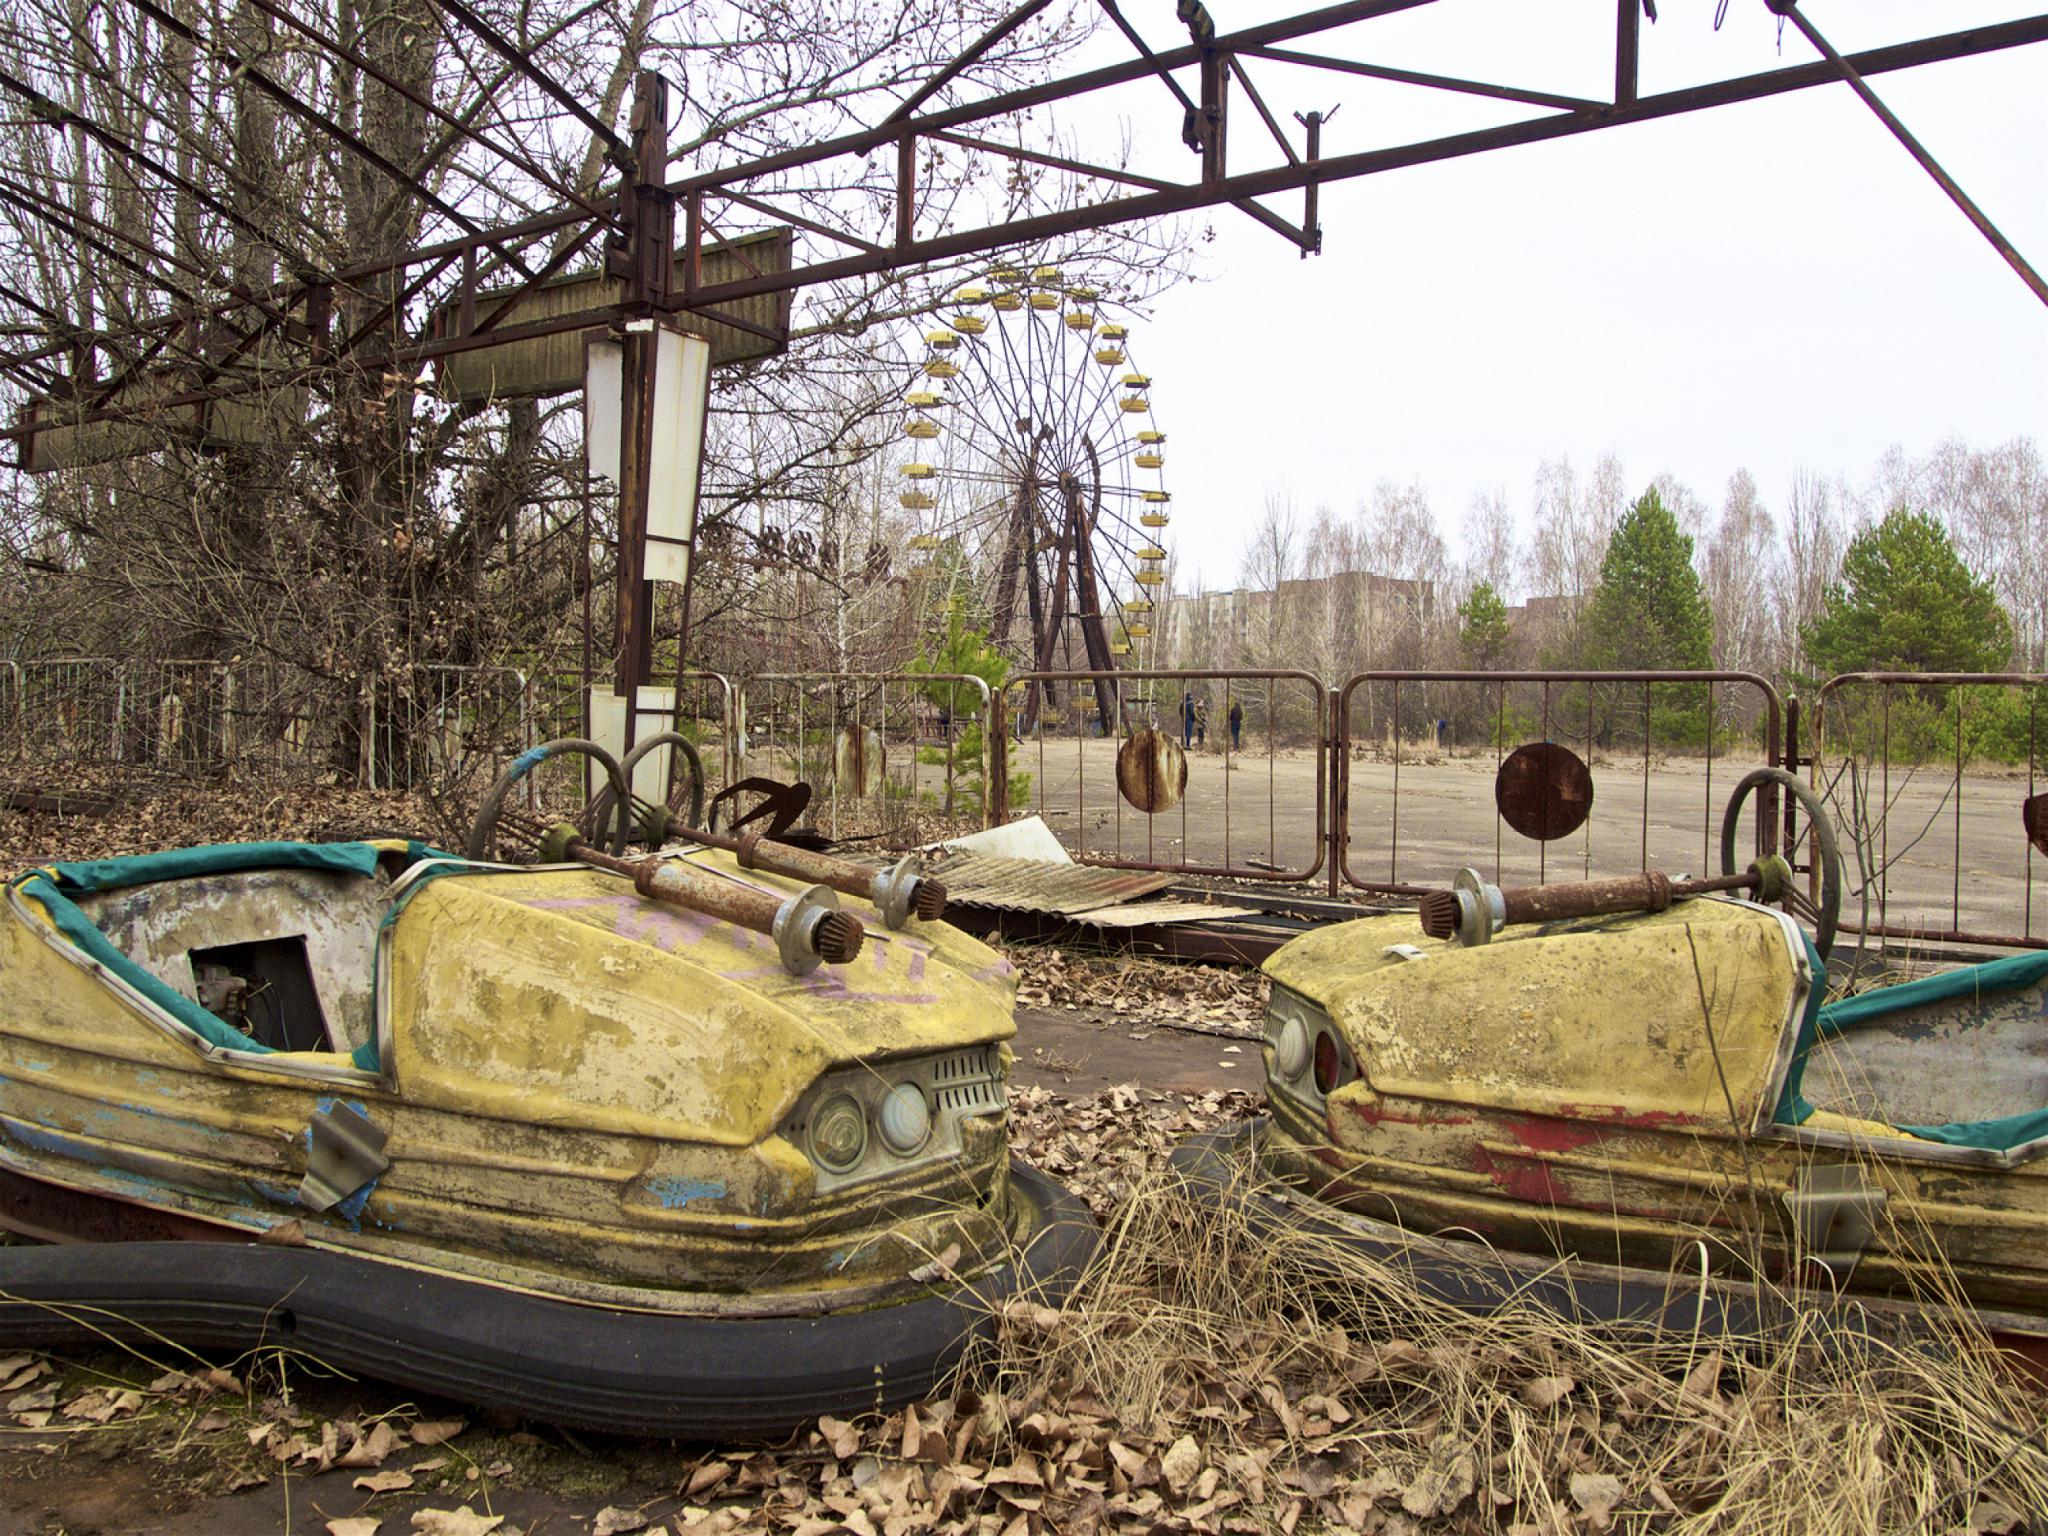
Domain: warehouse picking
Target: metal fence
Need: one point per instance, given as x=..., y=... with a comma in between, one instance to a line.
x=1567, y=774
x=1387, y=785
x=434, y=723
x=880, y=749
x=1935, y=780
x=1176, y=785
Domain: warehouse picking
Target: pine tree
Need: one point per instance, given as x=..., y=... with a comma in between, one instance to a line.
x=1650, y=609
x=1907, y=603
x=1484, y=637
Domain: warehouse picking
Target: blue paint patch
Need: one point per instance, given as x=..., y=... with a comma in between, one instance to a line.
x=676, y=1194
x=530, y=759
x=350, y=1209
x=40, y=1066
x=40, y=1138
x=276, y=1194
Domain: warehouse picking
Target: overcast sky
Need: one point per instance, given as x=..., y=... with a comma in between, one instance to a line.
x=1772, y=285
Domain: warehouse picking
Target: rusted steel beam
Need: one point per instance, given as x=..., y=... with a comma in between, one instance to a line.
x=1628, y=23
x=966, y=60
x=1055, y=162
x=57, y=114
x=1451, y=83
x=356, y=59
x=520, y=60
x=1916, y=149
x=1265, y=113
x=313, y=117
x=1945, y=935
x=1286, y=178
x=1151, y=204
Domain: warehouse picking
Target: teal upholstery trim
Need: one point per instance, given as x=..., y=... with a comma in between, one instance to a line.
x=80, y=930
x=212, y=859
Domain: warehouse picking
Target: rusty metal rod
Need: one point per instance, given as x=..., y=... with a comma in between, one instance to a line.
x=837, y=936
x=1649, y=891
x=757, y=852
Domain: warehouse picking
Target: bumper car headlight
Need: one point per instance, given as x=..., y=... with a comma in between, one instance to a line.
x=839, y=1133
x=904, y=1119
x=1305, y=1054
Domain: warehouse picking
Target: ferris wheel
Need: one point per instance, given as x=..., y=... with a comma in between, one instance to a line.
x=1038, y=478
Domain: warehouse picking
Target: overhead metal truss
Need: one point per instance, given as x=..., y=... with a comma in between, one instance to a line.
x=192, y=349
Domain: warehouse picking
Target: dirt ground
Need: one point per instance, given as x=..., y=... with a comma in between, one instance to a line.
x=1953, y=860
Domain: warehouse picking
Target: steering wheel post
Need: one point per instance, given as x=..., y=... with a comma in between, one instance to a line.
x=1826, y=916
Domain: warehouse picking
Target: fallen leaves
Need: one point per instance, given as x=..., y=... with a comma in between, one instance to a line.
x=461, y=1521
x=1140, y=994
x=1101, y=1145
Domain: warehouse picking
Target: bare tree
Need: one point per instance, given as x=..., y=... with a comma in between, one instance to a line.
x=1492, y=555
x=1815, y=538
x=1572, y=527
x=1741, y=560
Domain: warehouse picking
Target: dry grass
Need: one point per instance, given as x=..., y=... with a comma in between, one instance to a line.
x=1263, y=1383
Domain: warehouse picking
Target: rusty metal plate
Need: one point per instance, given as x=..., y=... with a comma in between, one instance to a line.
x=1151, y=771
x=2034, y=814
x=858, y=759
x=1543, y=791
x=1028, y=885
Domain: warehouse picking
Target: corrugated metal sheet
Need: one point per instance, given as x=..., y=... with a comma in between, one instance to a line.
x=553, y=365
x=1028, y=885
x=1146, y=914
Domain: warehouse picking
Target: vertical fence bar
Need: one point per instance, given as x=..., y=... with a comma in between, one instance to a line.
x=1955, y=902
x=1643, y=843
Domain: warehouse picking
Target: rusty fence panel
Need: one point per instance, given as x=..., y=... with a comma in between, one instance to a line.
x=1542, y=775
x=884, y=752
x=1160, y=792
x=1936, y=781
x=167, y=715
x=452, y=727
x=71, y=709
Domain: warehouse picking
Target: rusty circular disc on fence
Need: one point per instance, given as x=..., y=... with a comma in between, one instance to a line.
x=1543, y=791
x=2034, y=816
x=1151, y=771
x=858, y=758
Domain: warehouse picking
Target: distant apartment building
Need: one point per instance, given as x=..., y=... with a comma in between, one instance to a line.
x=1222, y=628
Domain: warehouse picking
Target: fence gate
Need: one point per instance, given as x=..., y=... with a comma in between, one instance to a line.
x=881, y=750
x=1937, y=787
x=1202, y=772
x=1543, y=776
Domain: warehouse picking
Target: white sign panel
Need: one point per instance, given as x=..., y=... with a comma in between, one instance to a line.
x=608, y=730
x=682, y=389
x=604, y=407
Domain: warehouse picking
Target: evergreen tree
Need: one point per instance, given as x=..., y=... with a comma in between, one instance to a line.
x=1650, y=609
x=1907, y=603
x=1484, y=637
